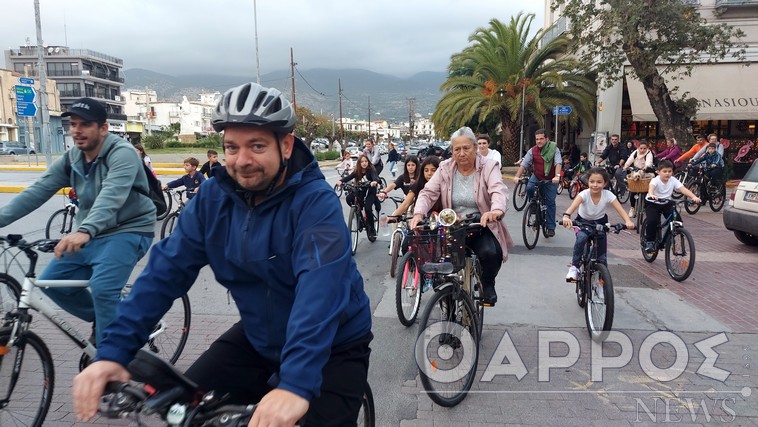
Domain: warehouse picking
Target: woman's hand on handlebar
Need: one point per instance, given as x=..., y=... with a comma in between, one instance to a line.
x=372, y=183
x=339, y=183
x=567, y=221
x=89, y=385
x=629, y=225
x=415, y=220
x=491, y=216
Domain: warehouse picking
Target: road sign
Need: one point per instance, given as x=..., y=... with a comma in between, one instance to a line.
x=25, y=81
x=25, y=101
x=562, y=110
x=26, y=109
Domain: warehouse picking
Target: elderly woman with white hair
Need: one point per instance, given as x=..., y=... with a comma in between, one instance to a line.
x=470, y=183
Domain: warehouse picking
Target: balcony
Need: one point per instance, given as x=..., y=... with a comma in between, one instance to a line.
x=559, y=27
x=62, y=51
x=723, y=6
x=71, y=94
x=117, y=116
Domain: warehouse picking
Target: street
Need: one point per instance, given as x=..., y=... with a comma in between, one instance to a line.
x=684, y=352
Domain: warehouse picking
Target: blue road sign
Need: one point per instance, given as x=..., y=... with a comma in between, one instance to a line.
x=25, y=81
x=25, y=101
x=562, y=110
x=26, y=109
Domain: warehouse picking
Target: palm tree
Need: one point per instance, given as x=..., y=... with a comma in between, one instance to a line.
x=486, y=80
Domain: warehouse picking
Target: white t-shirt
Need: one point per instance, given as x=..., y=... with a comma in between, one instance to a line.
x=664, y=191
x=494, y=155
x=589, y=210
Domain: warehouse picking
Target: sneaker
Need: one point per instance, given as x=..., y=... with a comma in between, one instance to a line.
x=490, y=296
x=631, y=213
x=650, y=247
x=573, y=274
x=550, y=233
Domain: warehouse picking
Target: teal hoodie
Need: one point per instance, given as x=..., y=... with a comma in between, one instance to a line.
x=108, y=201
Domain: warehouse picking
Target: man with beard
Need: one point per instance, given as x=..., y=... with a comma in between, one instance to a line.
x=272, y=231
x=115, y=219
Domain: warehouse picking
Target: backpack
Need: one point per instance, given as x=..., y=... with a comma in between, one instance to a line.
x=155, y=193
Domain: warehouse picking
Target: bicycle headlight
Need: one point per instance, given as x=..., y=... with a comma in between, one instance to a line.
x=433, y=219
x=448, y=217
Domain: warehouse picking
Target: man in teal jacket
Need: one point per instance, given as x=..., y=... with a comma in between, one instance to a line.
x=272, y=231
x=115, y=222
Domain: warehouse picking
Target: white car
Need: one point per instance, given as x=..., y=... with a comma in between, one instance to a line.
x=741, y=213
x=355, y=152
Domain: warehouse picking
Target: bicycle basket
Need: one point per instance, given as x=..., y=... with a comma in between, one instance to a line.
x=639, y=186
x=441, y=245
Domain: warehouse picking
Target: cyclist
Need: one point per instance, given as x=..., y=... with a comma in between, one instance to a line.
x=374, y=156
x=615, y=154
x=115, y=223
x=346, y=165
x=364, y=173
x=547, y=163
x=428, y=168
x=700, y=142
x=714, y=163
x=640, y=159
x=469, y=183
x=273, y=234
x=661, y=187
x=411, y=173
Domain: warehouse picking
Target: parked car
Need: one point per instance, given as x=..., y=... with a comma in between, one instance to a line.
x=741, y=213
x=355, y=152
x=14, y=147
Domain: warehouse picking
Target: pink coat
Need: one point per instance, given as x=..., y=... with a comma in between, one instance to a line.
x=491, y=193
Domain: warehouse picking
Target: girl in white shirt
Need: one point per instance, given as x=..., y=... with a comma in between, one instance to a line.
x=591, y=205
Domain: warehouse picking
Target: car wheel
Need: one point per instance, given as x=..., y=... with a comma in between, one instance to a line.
x=746, y=238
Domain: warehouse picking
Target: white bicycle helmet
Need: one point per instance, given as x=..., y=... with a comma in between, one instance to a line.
x=252, y=104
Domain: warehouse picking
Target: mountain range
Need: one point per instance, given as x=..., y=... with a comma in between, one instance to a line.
x=316, y=89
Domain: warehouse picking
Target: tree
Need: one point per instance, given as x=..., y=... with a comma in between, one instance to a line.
x=486, y=80
x=660, y=39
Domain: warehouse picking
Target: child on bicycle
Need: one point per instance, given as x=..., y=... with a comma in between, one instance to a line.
x=661, y=187
x=364, y=173
x=591, y=205
x=714, y=163
x=346, y=165
x=191, y=181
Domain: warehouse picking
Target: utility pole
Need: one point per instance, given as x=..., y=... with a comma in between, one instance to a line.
x=410, y=118
x=44, y=112
x=257, y=59
x=292, y=69
x=369, y=117
x=523, y=101
x=149, y=112
x=339, y=82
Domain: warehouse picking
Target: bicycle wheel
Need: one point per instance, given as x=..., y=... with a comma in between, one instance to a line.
x=716, y=196
x=692, y=208
x=573, y=189
x=676, y=195
x=598, y=313
x=338, y=190
x=367, y=414
x=27, y=380
x=622, y=193
x=640, y=217
x=649, y=257
x=530, y=226
x=353, y=224
x=559, y=190
x=169, y=204
x=397, y=242
x=477, y=294
x=447, y=348
x=519, y=196
x=680, y=254
x=10, y=291
x=581, y=295
x=60, y=223
x=407, y=290
x=169, y=224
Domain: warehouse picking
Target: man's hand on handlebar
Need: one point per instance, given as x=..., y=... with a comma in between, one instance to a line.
x=279, y=408
x=71, y=243
x=89, y=385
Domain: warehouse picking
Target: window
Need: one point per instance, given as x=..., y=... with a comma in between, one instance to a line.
x=71, y=90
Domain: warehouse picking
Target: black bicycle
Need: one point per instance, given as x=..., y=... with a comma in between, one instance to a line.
x=706, y=189
x=519, y=193
x=616, y=186
x=61, y=222
x=594, y=286
x=338, y=188
x=171, y=219
x=535, y=216
x=677, y=242
x=157, y=388
x=356, y=219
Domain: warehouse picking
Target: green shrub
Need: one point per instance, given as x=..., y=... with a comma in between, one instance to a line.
x=177, y=144
x=153, y=142
x=211, y=141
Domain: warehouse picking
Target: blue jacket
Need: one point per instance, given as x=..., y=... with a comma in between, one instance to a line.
x=286, y=261
x=189, y=182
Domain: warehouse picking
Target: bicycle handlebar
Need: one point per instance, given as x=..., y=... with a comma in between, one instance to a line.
x=665, y=201
x=601, y=227
x=42, y=245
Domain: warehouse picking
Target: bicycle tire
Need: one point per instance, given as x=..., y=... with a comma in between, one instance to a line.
x=353, y=225
x=598, y=312
x=678, y=264
x=716, y=197
x=643, y=241
x=407, y=290
x=519, y=196
x=338, y=190
x=581, y=296
x=573, y=190
x=692, y=208
x=531, y=225
x=477, y=294
x=559, y=190
x=367, y=416
x=397, y=242
x=35, y=369
x=459, y=338
x=169, y=224
x=60, y=224
x=10, y=292
x=169, y=204
x=621, y=192
x=676, y=195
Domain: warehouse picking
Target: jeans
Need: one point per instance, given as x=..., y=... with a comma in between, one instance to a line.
x=231, y=365
x=550, y=190
x=393, y=167
x=107, y=263
x=581, y=239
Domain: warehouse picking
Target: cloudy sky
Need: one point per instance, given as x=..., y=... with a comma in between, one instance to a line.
x=398, y=37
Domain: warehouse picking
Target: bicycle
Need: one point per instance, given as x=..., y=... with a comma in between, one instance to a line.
x=157, y=388
x=61, y=222
x=169, y=204
x=356, y=218
x=535, y=217
x=396, y=240
x=639, y=188
x=617, y=187
x=338, y=188
x=704, y=188
x=22, y=371
x=563, y=183
x=576, y=186
x=684, y=176
x=519, y=193
x=447, y=347
x=677, y=242
x=594, y=287
x=170, y=222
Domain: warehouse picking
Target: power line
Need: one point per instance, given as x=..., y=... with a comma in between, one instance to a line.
x=309, y=85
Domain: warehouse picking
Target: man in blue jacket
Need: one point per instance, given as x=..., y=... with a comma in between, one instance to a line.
x=272, y=230
x=115, y=221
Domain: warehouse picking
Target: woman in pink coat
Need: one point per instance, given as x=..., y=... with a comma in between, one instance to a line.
x=469, y=183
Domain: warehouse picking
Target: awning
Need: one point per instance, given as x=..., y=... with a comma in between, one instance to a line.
x=725, y=92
